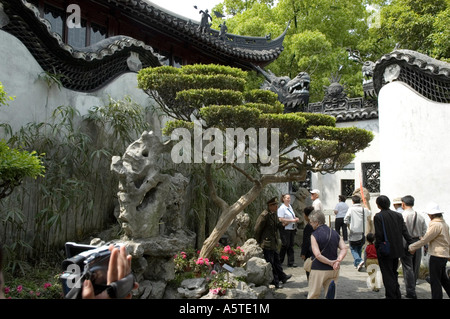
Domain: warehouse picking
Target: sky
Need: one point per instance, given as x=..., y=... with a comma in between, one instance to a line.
x=186, y=8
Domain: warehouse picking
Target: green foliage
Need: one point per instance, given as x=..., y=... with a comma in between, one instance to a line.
x=331, y=148
x=317, y=119
x=213, y=69
x=76, y=194
x=201, y=97
x=122, y=119
x=418, y=25
x=316, y=42
x=291, y=126
x=172, y=125
x=224, y=116
x=267, y=108
x=39, y=283
x=261, y=96
x=192, y=86
x=4, y=98
x=321, y=31
x=250, y=109
x=15, y=165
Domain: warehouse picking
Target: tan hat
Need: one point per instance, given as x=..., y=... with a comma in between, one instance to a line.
x=397, y=201
x=315, y=191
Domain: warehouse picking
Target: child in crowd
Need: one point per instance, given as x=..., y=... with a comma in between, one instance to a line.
x=371, y=262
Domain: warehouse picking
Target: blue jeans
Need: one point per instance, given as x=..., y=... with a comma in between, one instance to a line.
x=356, y=253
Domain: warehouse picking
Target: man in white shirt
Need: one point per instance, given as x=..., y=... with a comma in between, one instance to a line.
x=359, y=221
x=317, y=204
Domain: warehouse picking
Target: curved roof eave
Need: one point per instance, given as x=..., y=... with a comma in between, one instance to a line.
x=253, y=49
x=86, y=69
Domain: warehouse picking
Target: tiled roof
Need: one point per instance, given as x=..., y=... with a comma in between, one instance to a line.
x=90, y=68
x=251, y=49
x=80, y=70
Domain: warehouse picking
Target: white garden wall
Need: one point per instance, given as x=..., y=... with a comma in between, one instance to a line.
x=414, y=146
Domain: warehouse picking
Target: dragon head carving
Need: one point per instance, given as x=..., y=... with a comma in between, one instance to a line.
x=294, y=94
x=367, y=72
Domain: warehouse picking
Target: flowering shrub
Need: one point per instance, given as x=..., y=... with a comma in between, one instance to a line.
x=218, y=285
x=188, y=264
x=182, y=262
x=47, y=291
x=228, y=255
x=203, y=266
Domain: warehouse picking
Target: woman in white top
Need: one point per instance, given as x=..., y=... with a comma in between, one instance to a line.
x=287, y=233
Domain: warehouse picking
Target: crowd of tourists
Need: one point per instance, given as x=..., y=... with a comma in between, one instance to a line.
x=378, y=241
x=380, y=244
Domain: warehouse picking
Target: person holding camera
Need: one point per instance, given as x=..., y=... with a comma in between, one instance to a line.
x=119, y=267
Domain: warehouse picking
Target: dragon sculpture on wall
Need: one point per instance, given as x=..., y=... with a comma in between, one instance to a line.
x=293, y=94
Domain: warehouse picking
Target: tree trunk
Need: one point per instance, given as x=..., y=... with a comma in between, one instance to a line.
x=228, y=214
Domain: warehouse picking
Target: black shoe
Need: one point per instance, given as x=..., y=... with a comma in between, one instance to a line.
x=286, y=278
x=292, y=265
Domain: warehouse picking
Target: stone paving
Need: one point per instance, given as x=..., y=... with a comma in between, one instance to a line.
x=351, y=284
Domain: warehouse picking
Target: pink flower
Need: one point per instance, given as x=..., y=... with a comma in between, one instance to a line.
x=199, y=261
x=215, y=291
x=225, y=257
x=7, y=290
x=227, y=249
x=19, y=288
x=213, y=272
x=47, y=285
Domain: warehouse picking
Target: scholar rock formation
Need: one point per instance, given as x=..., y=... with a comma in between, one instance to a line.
x=150, y=201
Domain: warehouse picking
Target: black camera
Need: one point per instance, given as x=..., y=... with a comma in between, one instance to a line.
x=85, y=262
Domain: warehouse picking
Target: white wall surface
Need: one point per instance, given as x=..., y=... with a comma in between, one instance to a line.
x=35, y=101
x=415, y=147
x=330, y=184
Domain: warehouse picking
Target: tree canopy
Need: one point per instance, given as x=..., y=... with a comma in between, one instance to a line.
x=322, y=31
x=216, y=100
